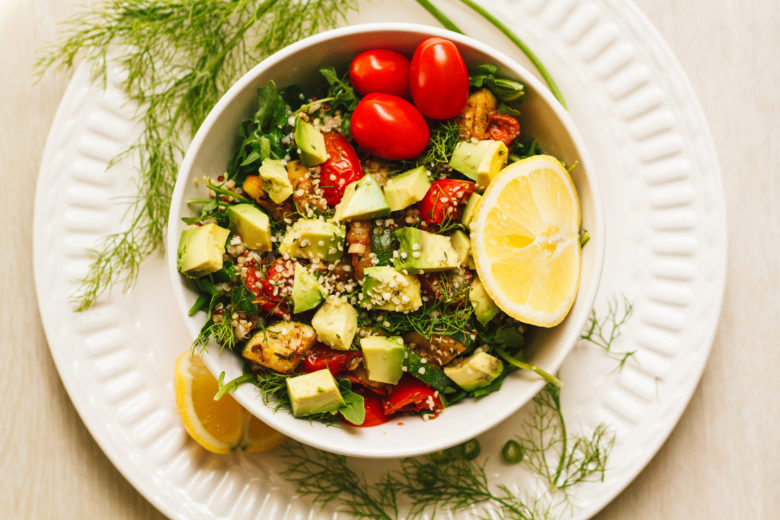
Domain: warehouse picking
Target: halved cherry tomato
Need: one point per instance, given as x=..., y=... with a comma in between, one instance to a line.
x=444, y=200
x=503, y=127
x=411, y=395
x=335, y=360
x=438, y=79
x=272, y=289
x=341, y=168
x=389, y=127
x=375, y=414
x=380, y=70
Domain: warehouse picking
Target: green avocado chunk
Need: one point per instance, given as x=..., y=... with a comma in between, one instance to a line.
x=479, y=161
x=471, y=208
x=407, y=188
x=384, y=288
x=310, y=143
x=422, y=252
x=252, y=224
x=314, y=239
x=484, y=307
x=475, y=371
x=275, y=181
x=363, y=199
x=461, y=243
x=384, y=358
x=316, y=392
x=335, y=323
x=200, y=250
x=307, y=291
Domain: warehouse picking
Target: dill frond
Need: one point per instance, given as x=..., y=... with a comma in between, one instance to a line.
x=177, y=58
x=604, y=331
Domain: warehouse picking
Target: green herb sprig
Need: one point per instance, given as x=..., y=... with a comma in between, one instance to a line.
x=178, y=58
x=603, y=331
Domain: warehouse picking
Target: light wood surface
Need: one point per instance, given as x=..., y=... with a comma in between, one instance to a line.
x=722, y=459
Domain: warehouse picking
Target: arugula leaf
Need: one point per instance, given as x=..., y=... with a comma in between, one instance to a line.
x=354, y=409
x=509, y=91
x=342, y=96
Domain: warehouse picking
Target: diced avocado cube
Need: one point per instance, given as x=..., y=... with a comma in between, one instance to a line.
x=363, y=199
x=470, y=263
x=475, y=371
x=479, y=161
x=252, y=224
x=485, y=308
x=384, y=358
x=307, y=291
x=461, y=243
x=335, y=323
x=407, y=188
x=201, y=249
x=310, y=143
x=421, y=252
x=275, y=181
x=314, y=239
x=469, y=212
x=316, y=392
x=384, y=288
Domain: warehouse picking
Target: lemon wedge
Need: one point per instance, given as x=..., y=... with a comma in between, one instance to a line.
x=525, y=240
x=219, y=426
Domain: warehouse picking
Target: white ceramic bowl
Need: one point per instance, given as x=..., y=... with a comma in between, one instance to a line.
x=543, y=118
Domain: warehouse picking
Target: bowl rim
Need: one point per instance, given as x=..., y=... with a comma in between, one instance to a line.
x=248, y=397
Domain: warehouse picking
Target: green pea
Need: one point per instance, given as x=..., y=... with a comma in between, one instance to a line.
x=470, y=450
x=512, y=452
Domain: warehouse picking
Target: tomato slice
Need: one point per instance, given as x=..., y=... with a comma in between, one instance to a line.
x=322, y=356
x=342, y=167
x=380, y=70
x=411, y=395
x=444, y=200
x=503, y=127
x=375, y=414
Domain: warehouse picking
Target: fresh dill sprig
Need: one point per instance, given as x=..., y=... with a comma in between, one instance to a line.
x=562, y=459
x=604, y=331
x=221, y=331
x=437, y=154
x=177, y=58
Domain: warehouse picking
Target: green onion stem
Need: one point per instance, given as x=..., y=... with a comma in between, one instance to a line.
x=527, y=366
x=523, y=47
x=441, y=17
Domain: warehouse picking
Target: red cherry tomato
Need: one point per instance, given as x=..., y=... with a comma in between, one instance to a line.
x=321, y=357
x=272, y=289
x=341, y=168
x=411, y=395
x=444, y=200
x=438, y=79
x=375, y=414
x=389, y=127
x=380, y=70
x=503, y=127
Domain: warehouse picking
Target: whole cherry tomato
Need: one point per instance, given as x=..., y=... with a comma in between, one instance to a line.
x=438, y=79
x=335, y=360
x=341, y=168
x=503, y=127
x=444, y=200
x=380, y=70
x=389, y=127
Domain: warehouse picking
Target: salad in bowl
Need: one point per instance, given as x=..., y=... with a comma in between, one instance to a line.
x=387, y=239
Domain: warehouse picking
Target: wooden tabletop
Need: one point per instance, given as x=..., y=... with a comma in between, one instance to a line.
x=721, y=460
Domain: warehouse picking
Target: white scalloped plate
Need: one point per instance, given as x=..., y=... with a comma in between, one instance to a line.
x=666, y=251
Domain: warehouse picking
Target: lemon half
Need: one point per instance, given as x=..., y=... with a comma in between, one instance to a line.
x=525, y=240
